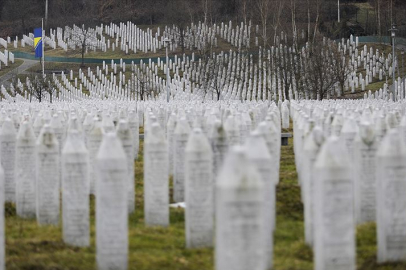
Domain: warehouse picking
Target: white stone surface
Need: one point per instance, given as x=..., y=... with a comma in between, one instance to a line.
x=127, y=141
x=25, y=171
x=7, y=156
x=199, y=214
x=181, y=136
x=47, y=169
x=112, y=205
x=391, y=198
x=156, y=178
x=240, y=242
x=334, y=211
x=75, y=191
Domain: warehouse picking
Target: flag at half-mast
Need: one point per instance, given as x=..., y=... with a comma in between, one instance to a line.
x=38, y=42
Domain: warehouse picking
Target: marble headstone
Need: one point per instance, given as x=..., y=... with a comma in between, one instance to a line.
x=240, y=242
x=112, y=205
x=75, y=191
x=25, y=171
x=47, y=189
x=7, y=154
x=199, y=222
x=156, y=178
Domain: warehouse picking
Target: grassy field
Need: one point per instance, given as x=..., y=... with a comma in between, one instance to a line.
x=109, y=54
x=223, y=45
x=29, y=246
x=376, y=83
x=4, y=70
x=117, y=53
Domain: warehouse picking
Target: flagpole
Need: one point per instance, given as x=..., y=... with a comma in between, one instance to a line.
x=43, y=46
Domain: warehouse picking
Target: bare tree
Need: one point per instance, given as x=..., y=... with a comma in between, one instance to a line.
x=320, y=74
x=141, y=85
x=263, y=8
x=342, y=67
x=214, y=75
x=245, y=10
x=278, y=6
x=179, y=13
x=316, y=25
x=308, y=20
x=378, y=16
x=84, y=38
x=40, y=87
x=219, y=73
x=283, y=61
x=14, y=86
x=294, y=29
x=205, y=4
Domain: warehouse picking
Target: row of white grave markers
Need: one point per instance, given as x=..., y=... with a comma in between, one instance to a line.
x=238, y=76
x=100, y=87
x=336, y=143
x=196, y=148
x=127, y=36
x=63, y=146
x=350, y=158
x=6, y=57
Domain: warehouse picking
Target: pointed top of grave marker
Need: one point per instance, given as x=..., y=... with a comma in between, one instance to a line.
x=111, y=148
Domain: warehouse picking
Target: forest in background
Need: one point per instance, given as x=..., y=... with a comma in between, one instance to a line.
x=302, y=17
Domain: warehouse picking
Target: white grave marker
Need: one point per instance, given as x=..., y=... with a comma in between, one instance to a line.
x=25, y=171
x=75, y=191
x=47, y=189
x=111, y=205
x=199, y=191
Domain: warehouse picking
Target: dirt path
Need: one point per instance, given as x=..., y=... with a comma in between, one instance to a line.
x=22, y=69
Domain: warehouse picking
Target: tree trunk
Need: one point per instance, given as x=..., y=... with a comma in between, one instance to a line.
x=286, y=90
x=264, y=30
x=366, y=23
x=293, y=7
x=315, y=27
x=205, y=11
x=308, y=21
x=23, y=23
x=83, y=54
x=379, y=18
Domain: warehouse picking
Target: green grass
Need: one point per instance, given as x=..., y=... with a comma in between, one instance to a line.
x=290, y=250
x=29, y=246
x=376, y=83
x=4, y=70
x=61, y=66
x=109, y=54
x=223, y=45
